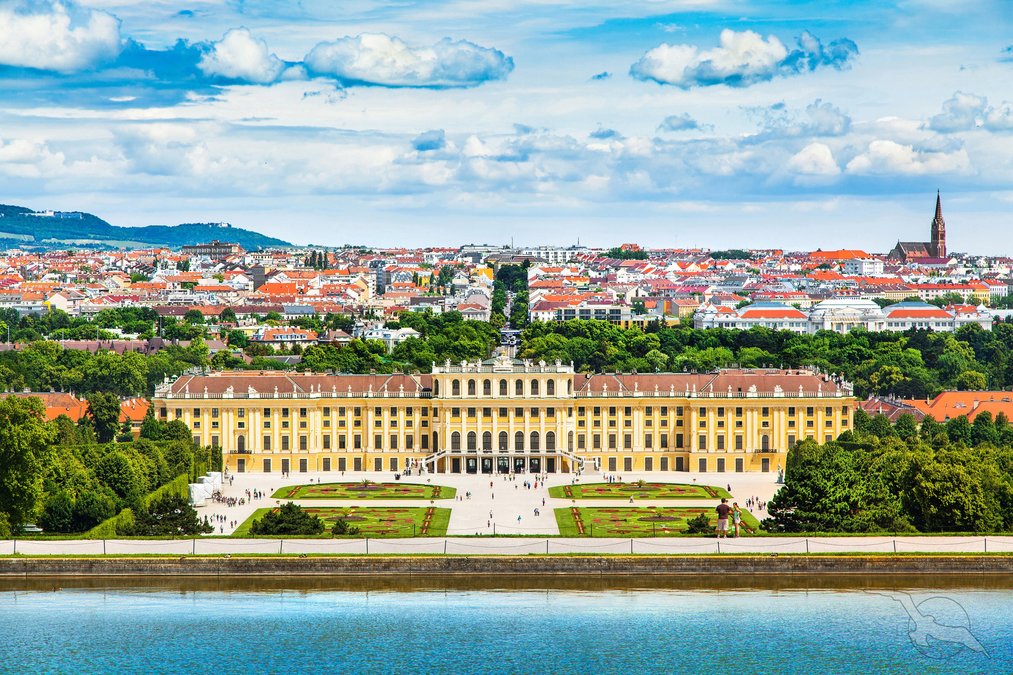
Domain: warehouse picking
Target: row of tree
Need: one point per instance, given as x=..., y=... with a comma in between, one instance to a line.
x=932, y=477
x=912, y=364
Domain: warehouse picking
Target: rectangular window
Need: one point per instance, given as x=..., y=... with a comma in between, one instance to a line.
x=679, y=441
x=284, y=443
x=409, y=442
x=425, y=441
x=377, y=412
x=214, y=412
x=581, y=441
x=327, y=442
x=393, y=441
x=284, y=412
x=721, y=464
x=703, y=441
x=664, y=441
x=721, y=442
x=267, y=443
x=471, y=412
x=378, y=442
x=357, y=442
x=302, y=412
x=241, y=413
x=702, y=465
x=738, y=412
x=326, y=464
x=303, y=443
x=648, y=441
x=738, y=442
x=596, y=441
x=378, y=464
x=342, y=442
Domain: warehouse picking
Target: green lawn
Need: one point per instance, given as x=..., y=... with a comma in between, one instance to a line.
x=645, y=490
x=663, y=521
x=362, y=490
x=378, y=521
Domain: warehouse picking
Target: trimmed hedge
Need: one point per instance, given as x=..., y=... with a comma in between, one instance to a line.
x=107, y=529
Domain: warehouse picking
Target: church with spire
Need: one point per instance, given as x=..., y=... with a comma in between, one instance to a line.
x=925, y=251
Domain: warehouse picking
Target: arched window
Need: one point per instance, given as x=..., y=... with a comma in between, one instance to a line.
x=569, y=387
x=765, y=442
x=502, y=388
x=519, y=388
x=455, y=388
x=436, y=387
x=534, y=440
x=455, y=440
x=472, y=441
x=519, y=440
x=534, y=387
x=436, y=440
x=503, y=440
x=471, y=387
x=569, y=441
x=241, y=443
x=487, y=440
x=487, y=388
x=550, y=388
x=550, y=440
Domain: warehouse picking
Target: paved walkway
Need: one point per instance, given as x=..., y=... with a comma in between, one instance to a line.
x=492, y=508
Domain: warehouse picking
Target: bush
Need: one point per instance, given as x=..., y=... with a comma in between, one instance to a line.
x=289, y=519
x=341, y=527
x=699, y=525
x=169, y=515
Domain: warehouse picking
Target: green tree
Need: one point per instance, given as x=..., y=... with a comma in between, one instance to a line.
x=959, y=430
x=104, y=413
x=290, y=518
x=24, y=451
x=193, y=317
x=58, y=513
x=168, y=516
x=971, y=380
x=983, y=429
x=228, y=315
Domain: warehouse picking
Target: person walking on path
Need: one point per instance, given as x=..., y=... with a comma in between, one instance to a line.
x=723, y=510
x=737, y=519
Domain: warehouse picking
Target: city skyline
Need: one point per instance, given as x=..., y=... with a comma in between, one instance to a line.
x=671, y=124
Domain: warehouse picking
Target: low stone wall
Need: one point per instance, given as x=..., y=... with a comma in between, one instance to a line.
x=508, y=565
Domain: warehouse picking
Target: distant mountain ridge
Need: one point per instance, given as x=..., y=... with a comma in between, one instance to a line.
x=21, y=227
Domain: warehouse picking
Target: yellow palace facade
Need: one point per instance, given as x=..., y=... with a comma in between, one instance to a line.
x=508, y=416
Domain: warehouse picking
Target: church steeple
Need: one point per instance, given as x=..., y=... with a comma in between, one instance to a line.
x=938, y=230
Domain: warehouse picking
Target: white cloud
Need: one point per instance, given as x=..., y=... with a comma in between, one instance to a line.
x=889, y=157
x=1000, y=118
x=961, y=112
x=815, y=159
x=240, y=56
x=388, y=61
x=56, y=35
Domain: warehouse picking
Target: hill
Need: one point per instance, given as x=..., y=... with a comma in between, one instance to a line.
x=24, y=228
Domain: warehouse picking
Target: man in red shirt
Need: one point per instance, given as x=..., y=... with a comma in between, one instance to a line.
x=723, y=510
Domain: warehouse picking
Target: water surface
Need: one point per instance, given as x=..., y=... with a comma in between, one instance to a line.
x=524, y=625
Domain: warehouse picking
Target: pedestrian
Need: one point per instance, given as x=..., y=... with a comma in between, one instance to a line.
x=737, y=519
x=722, y=510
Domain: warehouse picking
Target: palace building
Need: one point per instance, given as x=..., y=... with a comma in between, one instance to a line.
x=505, y=415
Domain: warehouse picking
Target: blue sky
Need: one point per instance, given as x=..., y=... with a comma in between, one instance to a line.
x=667, y=122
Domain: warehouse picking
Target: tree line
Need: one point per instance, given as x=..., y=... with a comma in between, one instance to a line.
x=880, y=477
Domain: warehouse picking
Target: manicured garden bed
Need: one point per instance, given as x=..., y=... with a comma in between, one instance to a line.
x=650, y=521
x=362, y=490
x=380, y=521
x=639, y=490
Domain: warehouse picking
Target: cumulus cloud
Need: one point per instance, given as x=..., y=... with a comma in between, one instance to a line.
x=435, y=139
x=820, y=118
x=815, y=159
x=240, y=56
x=890, y=157
x=964, y=111
x=741, y=59
x=56, y=35
x=604, y=134
x=384, y=60
x=683, y=122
